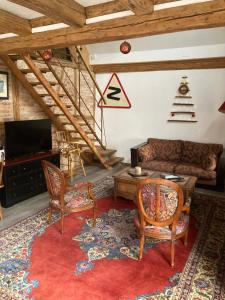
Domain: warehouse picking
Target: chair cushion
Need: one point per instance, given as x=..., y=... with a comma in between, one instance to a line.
x=194, y=170
x=151, y=230
x=168, y=150
x=159, y=165
x=74, y=200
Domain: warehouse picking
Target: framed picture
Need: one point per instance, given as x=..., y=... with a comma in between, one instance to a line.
x=4, y=86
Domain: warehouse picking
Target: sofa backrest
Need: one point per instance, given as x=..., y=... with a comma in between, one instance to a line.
x=196, y=152
x=169, y=150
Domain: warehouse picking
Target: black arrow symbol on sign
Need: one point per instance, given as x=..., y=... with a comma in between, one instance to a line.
x=115, y=90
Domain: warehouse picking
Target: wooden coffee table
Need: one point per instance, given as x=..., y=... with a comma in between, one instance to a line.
x=125, y=184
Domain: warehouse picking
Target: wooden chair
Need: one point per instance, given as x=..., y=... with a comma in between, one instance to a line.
x=70, y=150
x=67, y=198
x=1, y=186
x=161, y=212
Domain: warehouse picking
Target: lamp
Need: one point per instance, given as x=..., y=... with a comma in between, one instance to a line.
x=222, y=108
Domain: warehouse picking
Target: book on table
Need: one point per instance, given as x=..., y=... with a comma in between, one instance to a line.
x=171, y=177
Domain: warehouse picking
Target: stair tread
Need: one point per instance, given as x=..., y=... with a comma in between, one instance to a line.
x=46, y=94
x=27, y=70
x=114, y=160
x=105, y=152
x=39, y=83
x=75, y=131
x=55, y=105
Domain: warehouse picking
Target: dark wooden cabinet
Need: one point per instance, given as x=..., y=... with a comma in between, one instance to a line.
x=24, y=178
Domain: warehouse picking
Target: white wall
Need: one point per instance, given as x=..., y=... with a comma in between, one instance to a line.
x=151, y=95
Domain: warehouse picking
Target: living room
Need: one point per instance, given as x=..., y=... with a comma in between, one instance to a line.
x=166, y=60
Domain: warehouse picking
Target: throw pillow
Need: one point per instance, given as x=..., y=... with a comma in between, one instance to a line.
x=209, y=162
x=146, y=153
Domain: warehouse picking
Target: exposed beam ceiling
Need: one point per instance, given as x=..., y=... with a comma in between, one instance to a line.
x=42, y=21
x=182, y=64
x=196, y=16
x=13, y=23
x=66, y=11
x=113, y=7
x=139, y=7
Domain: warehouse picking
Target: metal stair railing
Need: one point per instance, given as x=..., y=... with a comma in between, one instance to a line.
x=100, y=126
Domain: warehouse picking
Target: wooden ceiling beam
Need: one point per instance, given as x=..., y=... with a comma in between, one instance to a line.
x=182, y=64
x=139, y=7
x=42, y=21
x=113, y=7
x=188, y=17
x=66, y=11
x=12, y=23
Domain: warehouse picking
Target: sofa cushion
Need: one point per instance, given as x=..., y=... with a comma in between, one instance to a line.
x=168, y=150
x=196, y=152
x=209, y=162
x=146, y=152
x=194, y=170
x=158, y=165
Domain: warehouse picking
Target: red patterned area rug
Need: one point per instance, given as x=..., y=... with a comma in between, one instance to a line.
x=37, y=262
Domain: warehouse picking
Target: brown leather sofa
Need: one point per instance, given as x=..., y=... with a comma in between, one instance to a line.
x=203, y=160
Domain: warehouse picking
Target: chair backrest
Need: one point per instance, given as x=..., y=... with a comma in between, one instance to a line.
x=55, y=181
x=159, y=201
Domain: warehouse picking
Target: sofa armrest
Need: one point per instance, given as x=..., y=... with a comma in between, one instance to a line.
x=220, y=172
x=134, y=154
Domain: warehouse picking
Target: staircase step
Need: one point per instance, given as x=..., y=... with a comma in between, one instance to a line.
x=107, y=152
x=26, y=71
x=46, y=94
x=55, y=105
x=75, y=131
x=78, y=139
x=34, y=83
x=114, y=161
x=67, y=123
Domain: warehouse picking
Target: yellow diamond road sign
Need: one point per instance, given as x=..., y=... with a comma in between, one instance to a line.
x=114, y=95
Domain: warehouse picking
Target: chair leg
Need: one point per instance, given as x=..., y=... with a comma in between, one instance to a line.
x=1, y=212
x=186, y=238
x=142, y=242
x=172, y=252
x=82, y=165
x=49, y=214
x=62, y=222
x=94, y=215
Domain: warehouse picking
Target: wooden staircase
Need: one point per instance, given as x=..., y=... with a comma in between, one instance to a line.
x=60, y=106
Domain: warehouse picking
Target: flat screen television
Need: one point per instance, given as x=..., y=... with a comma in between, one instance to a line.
x=27, y=137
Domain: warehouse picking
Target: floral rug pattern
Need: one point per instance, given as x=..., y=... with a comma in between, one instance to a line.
x=15, y=248
x=113, y=237
x=203, y=276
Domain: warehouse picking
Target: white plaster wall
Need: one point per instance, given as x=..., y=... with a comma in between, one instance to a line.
x=151, y=95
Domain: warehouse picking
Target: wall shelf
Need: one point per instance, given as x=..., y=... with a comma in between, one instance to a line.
x=183, y=109
x=182, y=121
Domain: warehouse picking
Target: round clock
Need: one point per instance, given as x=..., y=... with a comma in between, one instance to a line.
x=183, y=89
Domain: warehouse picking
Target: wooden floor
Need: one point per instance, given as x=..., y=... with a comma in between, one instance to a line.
x=32, y=205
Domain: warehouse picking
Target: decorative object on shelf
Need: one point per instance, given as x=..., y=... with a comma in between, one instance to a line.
x=222, y=108
x=47, y=55
x=4, y=85
x=183, y=108
x=114, y=94
x=125, y=47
